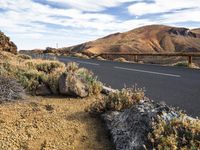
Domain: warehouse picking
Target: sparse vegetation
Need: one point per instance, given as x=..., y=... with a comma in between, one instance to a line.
x=120, y=59
x=185, y=64
x=80, y=55
x=180, y=133
x=32, y=73
x=117, y=101
x=23, y=56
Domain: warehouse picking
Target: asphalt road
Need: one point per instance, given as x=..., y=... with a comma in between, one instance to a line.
x=176, y=86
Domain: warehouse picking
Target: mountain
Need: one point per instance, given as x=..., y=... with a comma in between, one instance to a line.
x=146, y=39
x=6, y=44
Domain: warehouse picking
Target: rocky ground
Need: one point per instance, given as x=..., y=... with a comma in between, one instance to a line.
x=51, y=123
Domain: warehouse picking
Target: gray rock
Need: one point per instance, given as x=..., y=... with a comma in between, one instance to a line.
x=63, y=86
x=129, y=129
x=43, y=90
x=71, y=84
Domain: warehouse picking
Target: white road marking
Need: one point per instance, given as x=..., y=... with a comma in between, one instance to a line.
x=151, y=72
x=89, y=63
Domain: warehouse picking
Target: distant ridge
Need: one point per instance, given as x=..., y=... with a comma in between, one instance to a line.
x=146, y=39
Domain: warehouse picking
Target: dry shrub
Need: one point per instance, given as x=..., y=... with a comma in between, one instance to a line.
x=72, y=67
x=120, y=59
x=80, y=55
x=180, y=133
x=117, y=101
x=10, y=89
x=185, y=64
x=48, y=66
x=23, y=56
x=100, y=58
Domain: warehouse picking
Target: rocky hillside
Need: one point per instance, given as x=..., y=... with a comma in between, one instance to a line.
x=6, y=44
x=147, y=39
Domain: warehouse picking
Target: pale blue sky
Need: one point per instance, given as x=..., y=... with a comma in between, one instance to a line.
x=41, y=23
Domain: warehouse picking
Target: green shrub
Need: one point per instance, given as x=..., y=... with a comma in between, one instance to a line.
x=30, y=79
x=117, y=101
x=48, y=66
x=180, y=133
x=95, y=86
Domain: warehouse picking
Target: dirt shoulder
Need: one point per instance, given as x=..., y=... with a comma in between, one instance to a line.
x=51, y=123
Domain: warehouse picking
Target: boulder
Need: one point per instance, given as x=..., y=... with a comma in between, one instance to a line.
x=6, y=44
x=43, y=90
x=129, y=129
x=72, y=84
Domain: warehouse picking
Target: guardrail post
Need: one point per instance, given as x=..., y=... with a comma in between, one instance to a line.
x=136, y=58
x=189, y=60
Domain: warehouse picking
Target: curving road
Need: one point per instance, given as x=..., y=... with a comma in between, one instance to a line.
x=176, y=86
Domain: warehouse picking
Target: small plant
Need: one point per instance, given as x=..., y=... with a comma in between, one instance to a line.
x=179, y=133
x=72, y=67
x=117, y=101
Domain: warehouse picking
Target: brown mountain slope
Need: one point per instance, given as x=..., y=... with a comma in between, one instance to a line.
x=147, y=39
x=6, y=44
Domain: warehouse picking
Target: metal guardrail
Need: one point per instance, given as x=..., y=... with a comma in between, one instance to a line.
x=189, y=55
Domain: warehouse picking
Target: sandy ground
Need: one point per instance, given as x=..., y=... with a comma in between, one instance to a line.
x=50, y=124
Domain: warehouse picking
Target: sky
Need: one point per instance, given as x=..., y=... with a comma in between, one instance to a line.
x=46, y=23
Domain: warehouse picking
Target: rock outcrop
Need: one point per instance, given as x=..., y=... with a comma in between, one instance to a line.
x=6, y=44
x=129, y=129
x=72, y=84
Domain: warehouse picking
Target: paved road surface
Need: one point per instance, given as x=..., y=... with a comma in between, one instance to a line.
x=179, y=87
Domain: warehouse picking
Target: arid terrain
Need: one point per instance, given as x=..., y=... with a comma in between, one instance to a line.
x=50, y=104
x=51, y=123
x=147, y=39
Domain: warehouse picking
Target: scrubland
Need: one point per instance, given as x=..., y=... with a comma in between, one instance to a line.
x=67, y=115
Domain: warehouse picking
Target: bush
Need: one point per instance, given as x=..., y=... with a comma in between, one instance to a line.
x=30, y=79
x=49, y=66
x=117, y=101
x=185, y=64
x=180, y=133
x=80, y=55
x=10, y=89
x=94, y=86
x=120, y=59
x=23, y=56
x=72, y=67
